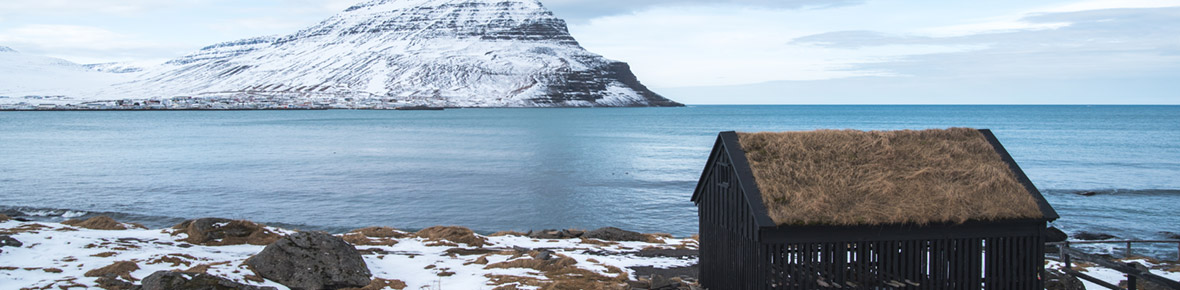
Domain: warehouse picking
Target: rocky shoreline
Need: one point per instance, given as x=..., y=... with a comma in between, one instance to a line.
x=212, y=253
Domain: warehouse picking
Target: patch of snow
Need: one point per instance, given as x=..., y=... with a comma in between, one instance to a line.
x=54, y=253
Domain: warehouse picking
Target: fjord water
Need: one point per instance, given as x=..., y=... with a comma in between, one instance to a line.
x=522, y=169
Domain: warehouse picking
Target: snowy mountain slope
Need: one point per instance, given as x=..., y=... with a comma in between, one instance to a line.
x=31, y=75
x=115, y=67
x=479, y=53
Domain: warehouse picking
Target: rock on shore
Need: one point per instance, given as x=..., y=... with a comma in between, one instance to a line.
x=333, y=263
x=219, y=253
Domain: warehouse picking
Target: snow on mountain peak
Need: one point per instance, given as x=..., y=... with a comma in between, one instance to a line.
x=6, y=49
x=479, y=53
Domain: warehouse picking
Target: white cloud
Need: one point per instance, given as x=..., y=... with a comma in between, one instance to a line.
x=1110, y=4
x=1126, y=42
x=692, y=46
x=83, y=44
x=69, y=36
x=988, y=27
x=578, y=11
x=88, y=6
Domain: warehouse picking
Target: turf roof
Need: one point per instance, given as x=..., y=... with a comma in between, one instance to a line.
x=850, y=177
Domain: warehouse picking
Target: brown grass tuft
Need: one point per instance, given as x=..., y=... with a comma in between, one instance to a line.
x=381, y=232
x=482, y=260
x=561, y=274
x=25, y=228
x=359, y=239
x=224, y=232
x=453, y=234
x=849, y=177
x=379, y=284
x=657, y=238
x=506, y=287
x=469, y=252
x=121, y=269
x=598, y=242
x=508, y=233
x=1173, y=269
x=173, y=259
x=4, y=218
x=202, y=268
x=104, y=254
x=101, y=222
x=512, y=281
x=535, y=264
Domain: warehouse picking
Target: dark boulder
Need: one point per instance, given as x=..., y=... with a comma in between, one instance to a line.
x=113, y=283
x=167, y=280
x=1053, y=235
x=1171, y=235
x=1088, y=236
x=555, y=234
x=615, y=234
x=161, y=280
x=222, y=232
x=7, y=241
x=310, y=261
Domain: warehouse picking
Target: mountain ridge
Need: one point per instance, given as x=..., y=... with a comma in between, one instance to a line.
x=465, y=53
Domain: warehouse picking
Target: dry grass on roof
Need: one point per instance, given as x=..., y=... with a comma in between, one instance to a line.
x=849, y=177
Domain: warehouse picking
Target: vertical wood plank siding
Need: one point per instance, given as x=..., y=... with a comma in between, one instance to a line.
x=738, y=253
x=731, y=257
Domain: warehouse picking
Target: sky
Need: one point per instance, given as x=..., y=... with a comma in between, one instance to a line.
x=731, y=51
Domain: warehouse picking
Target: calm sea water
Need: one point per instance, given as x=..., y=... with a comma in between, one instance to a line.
x=521, y=169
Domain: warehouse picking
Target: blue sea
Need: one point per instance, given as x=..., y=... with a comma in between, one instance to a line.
x=522, y=169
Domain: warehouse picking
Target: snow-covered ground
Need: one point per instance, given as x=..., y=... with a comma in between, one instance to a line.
x=54, y=255
x=1114, y=277
x=32, y=75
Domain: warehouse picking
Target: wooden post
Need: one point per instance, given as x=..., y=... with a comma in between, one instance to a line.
x=1064, y=254
x=1128, y=249
x=1131, y=278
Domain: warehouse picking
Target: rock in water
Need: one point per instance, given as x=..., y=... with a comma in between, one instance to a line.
x=310, y=261
x=1088, y=236
x=615, y=234
x=442, y=53
x=1171, y=235
x=1053, y=235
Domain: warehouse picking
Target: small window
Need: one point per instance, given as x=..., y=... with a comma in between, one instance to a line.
x=722, y=174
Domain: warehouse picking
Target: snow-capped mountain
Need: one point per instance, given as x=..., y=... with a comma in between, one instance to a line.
x=475, y=53
x=30, y=75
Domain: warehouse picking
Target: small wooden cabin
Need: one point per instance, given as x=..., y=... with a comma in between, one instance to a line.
x=846, y=209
